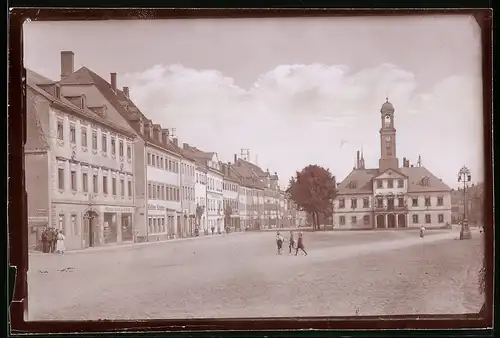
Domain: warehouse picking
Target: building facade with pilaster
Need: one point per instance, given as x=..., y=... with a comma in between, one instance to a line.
x=391, y=196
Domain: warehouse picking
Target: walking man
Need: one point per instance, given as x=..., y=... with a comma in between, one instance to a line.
x=300, y=245
x=279, y=242
x=291, y=243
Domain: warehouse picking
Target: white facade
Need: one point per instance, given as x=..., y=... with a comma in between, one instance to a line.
x=201, y=197
x=163, y=192
x=230, y=195
x=188, y=182
x=215, y=212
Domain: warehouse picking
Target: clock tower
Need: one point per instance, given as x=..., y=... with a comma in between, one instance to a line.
x=388, y=157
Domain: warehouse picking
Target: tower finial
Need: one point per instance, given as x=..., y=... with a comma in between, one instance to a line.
x=386, y=96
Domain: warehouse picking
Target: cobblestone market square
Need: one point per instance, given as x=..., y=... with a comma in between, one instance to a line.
x=240, y=275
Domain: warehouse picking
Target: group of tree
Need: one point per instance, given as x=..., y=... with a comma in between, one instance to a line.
x=313, y=189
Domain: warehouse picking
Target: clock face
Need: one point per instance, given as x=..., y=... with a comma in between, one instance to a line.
x=387, y=120
x=387, y=138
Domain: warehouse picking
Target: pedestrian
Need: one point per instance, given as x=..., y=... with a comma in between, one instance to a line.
x=279, y=242
x=422, y=231
x=60, y=248
x=291, y=243
x=300, y=245
x=213, y=229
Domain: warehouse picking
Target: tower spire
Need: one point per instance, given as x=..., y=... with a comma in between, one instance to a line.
x=386, y=96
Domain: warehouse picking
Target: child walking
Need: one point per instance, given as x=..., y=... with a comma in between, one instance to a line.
x=291, y=243
x=300, y=245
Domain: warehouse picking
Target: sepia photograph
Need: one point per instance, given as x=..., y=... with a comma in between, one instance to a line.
x=254, y=167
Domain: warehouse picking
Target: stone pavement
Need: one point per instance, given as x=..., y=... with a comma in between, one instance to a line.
x=371, y=273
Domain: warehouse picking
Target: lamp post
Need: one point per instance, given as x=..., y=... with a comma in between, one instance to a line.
x=90, y=215
x=464, y=176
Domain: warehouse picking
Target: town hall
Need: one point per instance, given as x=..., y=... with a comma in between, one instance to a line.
x=391, y=196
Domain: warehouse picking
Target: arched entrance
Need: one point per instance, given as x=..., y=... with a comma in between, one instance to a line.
x=90, y=228
x=401, y=221
x=391, y=221
x=380, y=221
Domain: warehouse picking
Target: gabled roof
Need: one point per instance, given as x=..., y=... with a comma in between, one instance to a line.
x=398, y=171
x=35, y=136
x=363, y=181
x=415, y=175
x=41, y=84
x=118, y=100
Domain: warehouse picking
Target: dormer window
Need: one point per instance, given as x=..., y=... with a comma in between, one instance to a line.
x=425, y=181
x=58, y=91
x=352, y=185
x=83, y=102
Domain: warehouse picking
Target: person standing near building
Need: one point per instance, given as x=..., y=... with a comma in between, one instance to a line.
x=300, y=245
x=279, y=242
x=422, y=231
x=60, y=248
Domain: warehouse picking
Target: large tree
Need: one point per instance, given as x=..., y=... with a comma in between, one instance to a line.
x=313, y=190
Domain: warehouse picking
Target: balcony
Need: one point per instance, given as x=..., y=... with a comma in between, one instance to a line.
x=390, y=207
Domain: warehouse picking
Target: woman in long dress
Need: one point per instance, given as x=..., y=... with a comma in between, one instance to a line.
x=60, y=242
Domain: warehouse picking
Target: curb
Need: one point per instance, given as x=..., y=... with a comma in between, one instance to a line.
x=111, y=247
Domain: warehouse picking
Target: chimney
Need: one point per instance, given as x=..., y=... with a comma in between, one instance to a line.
x=113, y=81
x=235, y=158
x=139, y=123
x=126, y=92
x=185, y=146
x=67, y=63
x=357, y=159
x=157, y=132
x=164, y=135
x=176, y=142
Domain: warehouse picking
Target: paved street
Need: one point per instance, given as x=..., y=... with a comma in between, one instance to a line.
x=240, y=275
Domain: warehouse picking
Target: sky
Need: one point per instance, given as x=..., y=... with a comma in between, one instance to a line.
x=294, y=91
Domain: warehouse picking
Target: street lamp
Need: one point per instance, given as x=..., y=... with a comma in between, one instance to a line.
x=465, y=177
x=90, y=215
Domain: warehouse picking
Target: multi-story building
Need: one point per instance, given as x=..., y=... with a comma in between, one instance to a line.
x=79, y=167
x=474, y=197
x=391, y=196
x=230, y=195
x=214, y=191
x=188, y=182
x=157, y=160
x=201, y=196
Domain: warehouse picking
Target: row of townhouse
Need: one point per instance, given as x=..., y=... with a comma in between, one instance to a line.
x=101, y=171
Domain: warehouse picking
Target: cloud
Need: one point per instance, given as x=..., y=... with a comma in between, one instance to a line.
x=294, y=115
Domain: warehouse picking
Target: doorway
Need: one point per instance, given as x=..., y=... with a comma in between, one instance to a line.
x=391, y=221
x=380, y=221
x=90, y=234
x=401, y=221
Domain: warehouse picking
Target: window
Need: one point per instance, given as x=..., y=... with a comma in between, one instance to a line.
x=380, y=202
x=150, y=224
x=414, y=219
x=129, y=152
x=129, y=188
x=95, y=183
x=158, y=192
x=414, y=201
x=150, y=192
x=162, y=224
x=74, y=225
x=366, y=219
x=354, y=203
x=60, y=130
x=72, y=133
x=154, y=190
x=401, y=183
x=61, y=222
x=177, y=193
x=366, y=202
x=440, y=218
x=401, y=202
x=73, y=180
x=84, y=137
x=104, y=144
x=440, y=201
x=120, y=149
x=60, y=178
x=390, y=183
x=122, y=187
x=113, y=146
x=113, y=185
x=427, y=218
x=379, y=184
x=427, y=201
x=354, y=220
x=149, y=158
x=153, y=160
x=105, y=185
x=85, y=182
x=94, y=139
x=341, y=203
